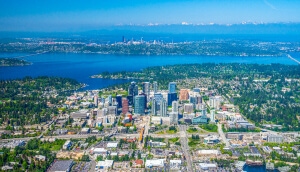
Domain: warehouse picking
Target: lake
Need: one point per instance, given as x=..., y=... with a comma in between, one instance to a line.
x=82, y=66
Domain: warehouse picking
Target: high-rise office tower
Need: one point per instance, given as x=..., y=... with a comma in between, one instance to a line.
x=133, y=89
x=155, y=87
x=172, y=87
x=145, y=96
x=163, y=107
x=130, y=100
x=139, y=104
x=158, y=97
x=194, y=100
x=146, y=88
x=171, y=97
x=119, y=101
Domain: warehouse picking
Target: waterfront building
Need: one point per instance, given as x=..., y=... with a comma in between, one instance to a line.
x=139, y=104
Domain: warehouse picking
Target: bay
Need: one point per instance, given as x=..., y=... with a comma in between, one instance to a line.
x=82, y=66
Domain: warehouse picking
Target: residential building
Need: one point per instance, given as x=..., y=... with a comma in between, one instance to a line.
x=175, y=106
x=96, y=101
x=155, y=87
x=146, y=89
x=184, y=94
x=125, y=105
x=188, y=108
x=154, y=107
x=163, y=107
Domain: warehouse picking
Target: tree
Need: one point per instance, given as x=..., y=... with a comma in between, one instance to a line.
x=85, y=158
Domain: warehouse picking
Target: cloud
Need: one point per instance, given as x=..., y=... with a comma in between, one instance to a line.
x=270, y=5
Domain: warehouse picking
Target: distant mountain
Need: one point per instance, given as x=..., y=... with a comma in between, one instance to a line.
x=246, y=28
x=176, y=32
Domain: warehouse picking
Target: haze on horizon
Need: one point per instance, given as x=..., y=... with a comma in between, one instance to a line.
x=79, y=15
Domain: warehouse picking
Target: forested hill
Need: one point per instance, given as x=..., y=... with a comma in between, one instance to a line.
x=13, y=62
x=26, y=101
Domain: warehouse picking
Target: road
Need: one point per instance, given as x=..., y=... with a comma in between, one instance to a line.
x=185, y=146
x=222, y=135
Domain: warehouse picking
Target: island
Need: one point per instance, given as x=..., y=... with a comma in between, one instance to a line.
x=13, y=62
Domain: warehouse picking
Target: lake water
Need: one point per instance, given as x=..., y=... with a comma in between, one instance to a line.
x=82, y=66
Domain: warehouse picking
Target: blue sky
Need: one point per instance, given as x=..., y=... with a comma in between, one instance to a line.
x=63, y=15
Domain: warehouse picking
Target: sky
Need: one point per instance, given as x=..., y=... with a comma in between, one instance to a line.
x=73, y=15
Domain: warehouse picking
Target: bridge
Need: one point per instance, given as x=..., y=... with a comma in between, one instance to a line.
x=31, y=54
x=290, y=57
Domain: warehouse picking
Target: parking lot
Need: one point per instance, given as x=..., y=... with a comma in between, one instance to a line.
x=81, y=167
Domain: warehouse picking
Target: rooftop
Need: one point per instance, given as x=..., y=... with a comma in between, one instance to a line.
x=61, y=165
